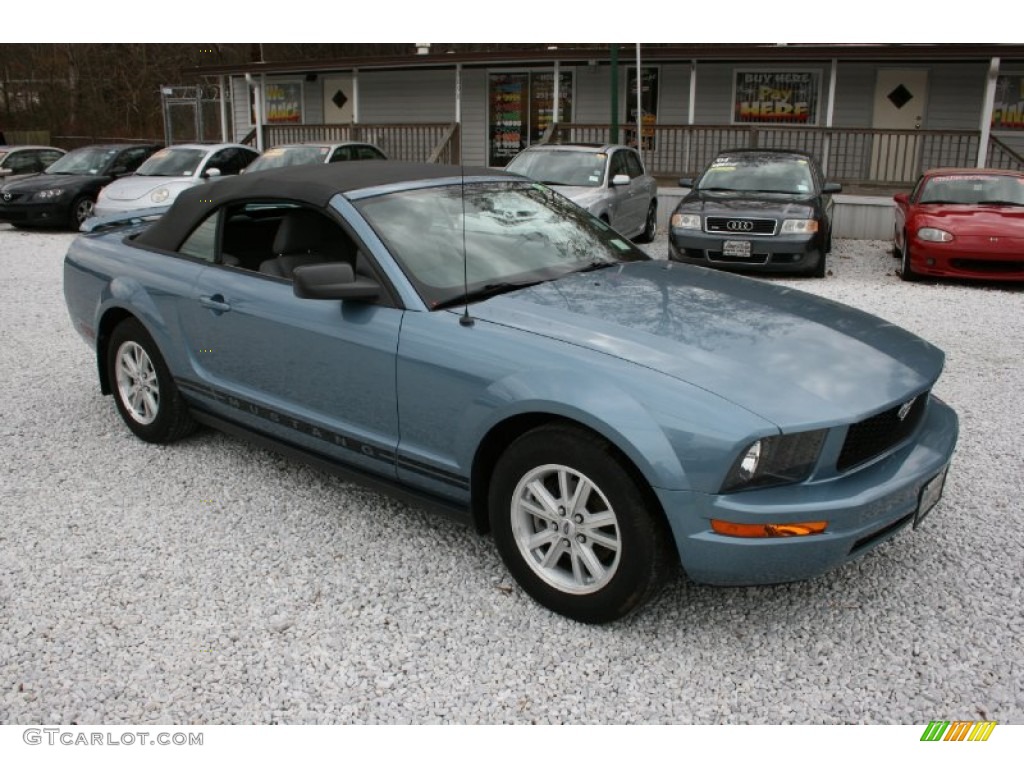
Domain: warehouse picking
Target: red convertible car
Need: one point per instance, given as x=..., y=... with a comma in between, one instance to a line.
x=966, y=223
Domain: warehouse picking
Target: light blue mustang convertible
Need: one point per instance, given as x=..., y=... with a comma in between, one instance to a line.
x=472, y=341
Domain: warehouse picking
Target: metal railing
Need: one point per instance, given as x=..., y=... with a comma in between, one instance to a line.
x=848, y=155
x=1001, y=156
x=420, y=142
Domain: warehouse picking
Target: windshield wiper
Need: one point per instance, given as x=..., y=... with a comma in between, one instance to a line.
x=552, y=183
x=489, y=290
x=1000, y=202
x=595, y=265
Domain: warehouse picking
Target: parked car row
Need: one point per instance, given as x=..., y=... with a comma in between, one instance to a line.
x=48, y=187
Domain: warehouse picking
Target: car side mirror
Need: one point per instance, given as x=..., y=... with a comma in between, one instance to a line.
x=620, y=180
x=902, y=198
x=334, y=280
x=832, y=188
x=686, y=182
x=211, y=173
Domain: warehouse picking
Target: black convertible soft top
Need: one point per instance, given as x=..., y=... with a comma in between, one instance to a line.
x=311, y=184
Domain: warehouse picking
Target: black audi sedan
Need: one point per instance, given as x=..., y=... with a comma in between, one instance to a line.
x=756, y=210
x=64, y=194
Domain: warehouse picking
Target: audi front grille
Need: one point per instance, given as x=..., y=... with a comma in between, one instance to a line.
x=721, y=225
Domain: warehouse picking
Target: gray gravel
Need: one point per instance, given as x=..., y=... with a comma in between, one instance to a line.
x=211, y=582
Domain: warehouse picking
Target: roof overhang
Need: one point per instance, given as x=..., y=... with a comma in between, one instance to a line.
x=652, y=54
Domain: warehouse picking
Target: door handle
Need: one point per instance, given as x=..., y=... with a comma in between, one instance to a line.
x=215, y=302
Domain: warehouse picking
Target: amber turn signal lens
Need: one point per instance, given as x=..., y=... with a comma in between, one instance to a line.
x=767, y=530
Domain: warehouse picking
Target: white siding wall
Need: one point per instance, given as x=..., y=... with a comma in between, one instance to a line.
x=474, y=116
x=407, y=97
x=242, y=117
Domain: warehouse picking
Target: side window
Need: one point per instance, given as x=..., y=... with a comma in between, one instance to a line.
x=618, y=164
x=132, y=158
x=22, y=162
x=633, y=165
x=219, y=161
x=202, y=243
x=49, y=157
x=341, y=153
x=368, y=153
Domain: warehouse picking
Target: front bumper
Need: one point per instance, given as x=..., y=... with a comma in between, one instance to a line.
x=770, y=253
x=863, y=507
x=35, y=214
x=981, y=260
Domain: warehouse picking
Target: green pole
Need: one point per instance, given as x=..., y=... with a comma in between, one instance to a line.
x=614, y=137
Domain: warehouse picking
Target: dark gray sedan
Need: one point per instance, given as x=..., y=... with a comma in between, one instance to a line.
x=756, y=210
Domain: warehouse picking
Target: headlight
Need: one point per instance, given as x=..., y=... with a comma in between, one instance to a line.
x=49, y=194
x=775, y=460
x=159, y=195
x=799, y=226
x=933, y=235
x=685, y=221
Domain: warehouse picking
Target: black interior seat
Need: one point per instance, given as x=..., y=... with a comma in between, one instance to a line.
x=306, y=237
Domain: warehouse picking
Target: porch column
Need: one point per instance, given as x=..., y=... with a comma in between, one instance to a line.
x=639, y=107
x=223, y=111
x=555, y=94
x=829, y=111
x=986, y=111
x=355, y=96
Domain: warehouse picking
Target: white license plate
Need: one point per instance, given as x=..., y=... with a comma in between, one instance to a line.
x=930, y=495
x=739, y=249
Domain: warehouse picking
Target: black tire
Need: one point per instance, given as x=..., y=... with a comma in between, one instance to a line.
x=907, y=272
x=818, y=270
x=896, y=253
x=144, y=391
x=618, y=543
x=650, y=224
x=81, y=209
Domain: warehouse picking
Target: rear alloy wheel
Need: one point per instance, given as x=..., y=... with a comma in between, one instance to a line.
x=650, y=225
x=81, y=209
x=574, y=527
x=145, y=394
x=907, y=272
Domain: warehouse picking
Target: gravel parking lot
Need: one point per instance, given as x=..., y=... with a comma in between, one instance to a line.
x=212, y=582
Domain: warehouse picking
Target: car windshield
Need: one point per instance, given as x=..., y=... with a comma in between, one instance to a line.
x=279, y=157
x=974, y=189
x=88, y=161
x=515, y=234
x=173, y=161
x=561, y=167
x=758, y=173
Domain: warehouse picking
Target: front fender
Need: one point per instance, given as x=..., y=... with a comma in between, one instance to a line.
x=603, y=406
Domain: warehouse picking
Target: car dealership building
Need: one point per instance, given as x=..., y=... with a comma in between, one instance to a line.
x=875, y=115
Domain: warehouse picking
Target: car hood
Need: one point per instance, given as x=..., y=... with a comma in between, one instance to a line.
x=40, y=181
x=134, y=187
x=718, y=204
x=1004, y=221
x=582, y=196
x=795, y=359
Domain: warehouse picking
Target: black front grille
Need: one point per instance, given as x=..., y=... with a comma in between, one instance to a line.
x=869, y=438
x=990, y=266
x=739, y=227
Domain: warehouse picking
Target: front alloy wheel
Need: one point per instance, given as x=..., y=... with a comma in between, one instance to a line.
x=566, y=529
x=575, y=525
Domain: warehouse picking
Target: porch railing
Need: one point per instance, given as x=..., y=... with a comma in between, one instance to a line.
x=420, y=142
x=1001, y=156
x=849, y=155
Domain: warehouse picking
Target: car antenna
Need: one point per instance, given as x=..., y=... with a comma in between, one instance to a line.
x=465, y=320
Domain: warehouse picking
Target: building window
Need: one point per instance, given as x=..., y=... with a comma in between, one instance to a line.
x=1008, y=108
x=648, y=104
x=521, y=108
x=772, y=96
x=283, y=103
